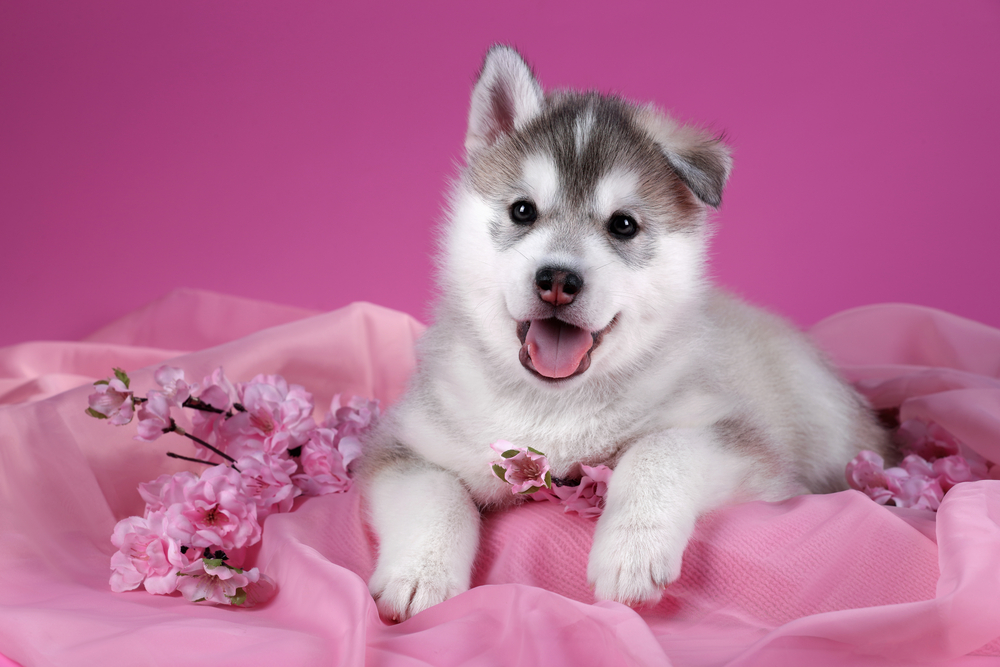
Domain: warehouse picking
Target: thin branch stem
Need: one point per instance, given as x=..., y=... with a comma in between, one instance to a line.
x=198, y=404
x=177, y=429
x=189, y=458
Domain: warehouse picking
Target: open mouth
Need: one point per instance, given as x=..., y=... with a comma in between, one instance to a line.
x=555, y=350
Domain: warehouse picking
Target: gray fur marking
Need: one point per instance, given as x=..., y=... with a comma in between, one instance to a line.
x=581, y=163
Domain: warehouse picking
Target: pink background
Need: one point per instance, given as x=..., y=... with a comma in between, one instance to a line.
x=298, y=152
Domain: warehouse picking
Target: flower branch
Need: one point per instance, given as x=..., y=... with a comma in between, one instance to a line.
x=263, y=449
x=174, y=455
x=174, y=428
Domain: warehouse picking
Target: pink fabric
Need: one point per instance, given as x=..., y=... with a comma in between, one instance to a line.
x=817, y=580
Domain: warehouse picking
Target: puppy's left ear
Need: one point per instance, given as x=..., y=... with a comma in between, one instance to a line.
x=505, y=98
x=701, y=160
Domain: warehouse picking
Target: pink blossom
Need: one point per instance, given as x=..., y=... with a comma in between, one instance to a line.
x=352, y=418
x=350, y=421
x=267, y=479
x=916, y=466
x=144, y=556
x=918, y=492
x=140, y=552
x=323, y=469
x=260, y=591
x=927, y=440
x=935, y=463
x=211, y=580
x=111, y=400
x=175, y=389
x=349, y=447
x=221, y=387
x=524, y=468
x=277, y=417
x=587, y=497
x=154, y=416
x=220, y=394
x=167, y=490
x=217, y=397
x=217, y=512
x=866, y=474
x=917, y=483
x=952, y=470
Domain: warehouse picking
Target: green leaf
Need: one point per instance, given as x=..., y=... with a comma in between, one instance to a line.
x=94, y=413
x=212, y=562
x=239, y=598
x=123, y=376
x=548, y=480
x=510, y=453
x=529, y=491
x=500, y=472
x=102, y=382
x=532, y=449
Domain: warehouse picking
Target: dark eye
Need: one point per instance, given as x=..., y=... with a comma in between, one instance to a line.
x=622, y=226
x=523, y=212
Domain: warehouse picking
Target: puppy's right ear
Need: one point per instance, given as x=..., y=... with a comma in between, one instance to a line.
x=505, y=98
x=700, y=160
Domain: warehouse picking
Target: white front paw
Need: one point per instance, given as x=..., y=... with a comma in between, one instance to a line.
x=633, y=564
x=412, y=584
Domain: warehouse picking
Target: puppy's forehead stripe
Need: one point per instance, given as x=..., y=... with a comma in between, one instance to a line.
x=540, y=177
x=615, y=189
x=583, y=127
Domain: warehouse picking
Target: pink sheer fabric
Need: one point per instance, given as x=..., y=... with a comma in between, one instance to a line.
x=817, y=580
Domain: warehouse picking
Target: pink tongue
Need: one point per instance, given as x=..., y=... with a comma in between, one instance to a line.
x=556, y=348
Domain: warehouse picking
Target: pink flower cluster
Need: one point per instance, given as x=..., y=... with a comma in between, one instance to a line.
x=334, y=445
x=264, y=449
x=184, y=540
x=527, y=471
x=934, y=462
x=585, y=498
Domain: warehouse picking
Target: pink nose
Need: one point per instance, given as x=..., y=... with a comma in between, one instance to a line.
x=557, y=286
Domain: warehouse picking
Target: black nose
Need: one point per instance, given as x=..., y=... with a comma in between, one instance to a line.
x=557, y=286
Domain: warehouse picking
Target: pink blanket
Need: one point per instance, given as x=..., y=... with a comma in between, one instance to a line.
x=815, y=580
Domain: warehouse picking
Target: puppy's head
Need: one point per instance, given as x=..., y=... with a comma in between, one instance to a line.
x=578, y=226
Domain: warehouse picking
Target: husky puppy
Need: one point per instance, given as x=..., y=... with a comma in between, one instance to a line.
x=575, y=317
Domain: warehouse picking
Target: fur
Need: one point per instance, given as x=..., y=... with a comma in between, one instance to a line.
x=693, y=397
